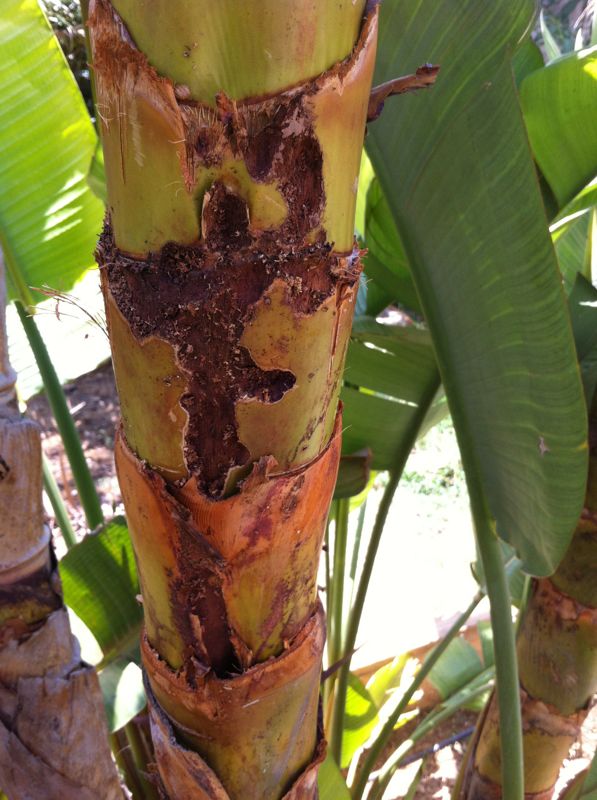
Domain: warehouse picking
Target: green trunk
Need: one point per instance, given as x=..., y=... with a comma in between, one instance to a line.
x=232, y=137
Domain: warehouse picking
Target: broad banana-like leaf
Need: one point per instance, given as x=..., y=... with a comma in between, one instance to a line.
x=390, y=381
x=465, y=199
x=49, y=218
x=559, y=104
x=100, y=584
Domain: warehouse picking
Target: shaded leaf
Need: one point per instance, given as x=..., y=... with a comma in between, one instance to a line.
x=100, y=584
x=465, y=200
x=583, y=315
x=527, y=59
x=390, y=380
x=385, y=261
x=49, y=218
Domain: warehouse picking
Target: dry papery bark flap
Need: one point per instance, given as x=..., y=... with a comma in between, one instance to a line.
x=184, y=774
x=209, y=695
x=50, y=651
x=49, y=735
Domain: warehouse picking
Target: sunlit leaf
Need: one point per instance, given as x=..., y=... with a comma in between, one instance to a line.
x=100, y=584
x=49, y=218
x=559, y=104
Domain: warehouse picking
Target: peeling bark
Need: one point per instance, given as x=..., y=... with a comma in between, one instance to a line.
x=53, y=732
x=230, y=273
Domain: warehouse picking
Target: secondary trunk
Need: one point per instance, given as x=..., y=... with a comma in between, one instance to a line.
x=232, y=138
x=557, y=657
x=53, y=732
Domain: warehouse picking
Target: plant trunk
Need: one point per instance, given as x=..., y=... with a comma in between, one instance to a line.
x=557, y=657
x=232, y=137
x=53, y=732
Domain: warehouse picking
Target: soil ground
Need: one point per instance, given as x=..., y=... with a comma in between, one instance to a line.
x=431, y=507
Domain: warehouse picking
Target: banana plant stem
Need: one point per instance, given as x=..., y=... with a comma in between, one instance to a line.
x=338, y=575
x=72, y=444
x=60, y=512
x=356, y=612
x=506, y=666
x=388, y=729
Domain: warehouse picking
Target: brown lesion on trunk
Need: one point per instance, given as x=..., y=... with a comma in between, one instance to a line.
x=200, y=299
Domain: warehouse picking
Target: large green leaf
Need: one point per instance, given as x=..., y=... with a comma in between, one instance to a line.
x=390, y=379
x=559, y=104
x=49, y=218
x=100, y=584
x=465, y=199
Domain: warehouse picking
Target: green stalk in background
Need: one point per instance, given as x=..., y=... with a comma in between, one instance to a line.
x=88, y=496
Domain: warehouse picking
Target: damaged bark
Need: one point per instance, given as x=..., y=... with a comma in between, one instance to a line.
x=230, y=273
x=53, y=732
x=557, y=657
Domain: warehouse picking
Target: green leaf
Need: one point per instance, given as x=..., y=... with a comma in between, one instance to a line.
x=97, y=174
x=386, y=678
x=559, y=103
x=458, y=665
x=359, y=720
x=571, y=246
x=390, y=373
x=583, y=315
x=465, y=200
x=330, y=782
x=49, y=218
x=122, y=689
x=100, y=584
x=385, y=261
x=527, y=59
